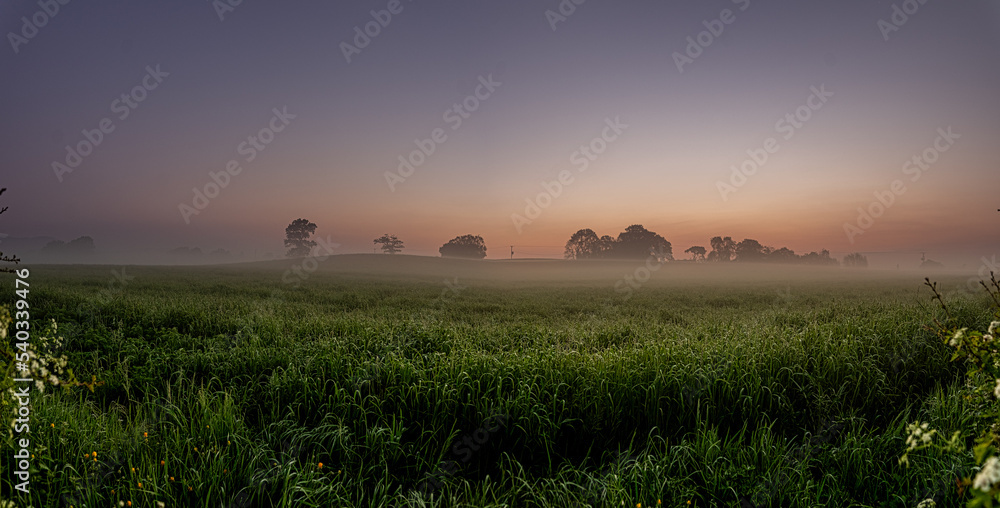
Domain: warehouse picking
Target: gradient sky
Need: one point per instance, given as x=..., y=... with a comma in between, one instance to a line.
x=606, y=60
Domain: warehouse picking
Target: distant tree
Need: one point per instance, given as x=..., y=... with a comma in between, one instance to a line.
x=823, y=258
x=220, y=253
x=75, y=250
x=696, y=252
x=390, y=244
x=723, y=249
x=465, y=246
x=637, y=242
x=750, y=250
x=606, y=246
x=584, y=244
x=297, y=238
x=855, y=260
x=7, y=258
x=783, y=255
x=80, y=247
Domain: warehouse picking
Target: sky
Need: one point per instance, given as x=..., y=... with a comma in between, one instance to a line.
x=859, y=126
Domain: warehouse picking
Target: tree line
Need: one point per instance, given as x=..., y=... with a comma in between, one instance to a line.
x=636, y=242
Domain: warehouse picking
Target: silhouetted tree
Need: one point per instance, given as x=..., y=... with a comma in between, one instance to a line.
x=7, y=258
x=783, y=255
x=297, y=238
x=823, y=258
x=465, y=246
x=855, y=260
x=750, y=250
x=697, y=252
x=606, y=246
x=723, y=249
x=390, y=244
x=584, y=244
x=637, y=242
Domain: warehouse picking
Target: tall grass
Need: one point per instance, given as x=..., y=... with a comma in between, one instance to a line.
x=698, y=392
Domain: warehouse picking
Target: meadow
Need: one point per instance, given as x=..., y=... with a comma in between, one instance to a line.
x=405, y=381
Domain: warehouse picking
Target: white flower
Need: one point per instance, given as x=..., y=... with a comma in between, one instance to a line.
x=987, y=338
x=996, y=390
x=993, y=327
x=958, y=335
x=988, y=476
x=927, y=503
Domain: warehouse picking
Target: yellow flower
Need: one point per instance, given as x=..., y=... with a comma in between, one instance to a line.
x=145, y=435
x=133, y=469
x=320, y=465
x=140, y=485
x=163, y=463
x=130, y=502
x=53, y=425
x=95, y=454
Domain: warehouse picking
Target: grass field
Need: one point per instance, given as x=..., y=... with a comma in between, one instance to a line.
x=406, y=381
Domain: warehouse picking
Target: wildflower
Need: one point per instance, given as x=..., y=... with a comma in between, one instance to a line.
x=140, y=485
x=53, y=425
x=133, y=469
x=996, y=390
x=95, y=454
x=958, y=335
x=993, y=327
x=145, y=435
x=927, y=503
x=163, y=462
x=988, y=476
x=171, y=478
x=320, y=465
x=129, y=503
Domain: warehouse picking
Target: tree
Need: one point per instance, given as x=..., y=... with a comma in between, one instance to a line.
x=783, y=255
x=696, y=252
x=390, y=244
x=855, y=260
x=297, y=238
x=722, y=249
x=584, y=244
x=637, y=242
x=750, y=250
x=4, y=258
x=465, y=246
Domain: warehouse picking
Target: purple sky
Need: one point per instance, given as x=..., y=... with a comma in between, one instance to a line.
x=668, y=166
